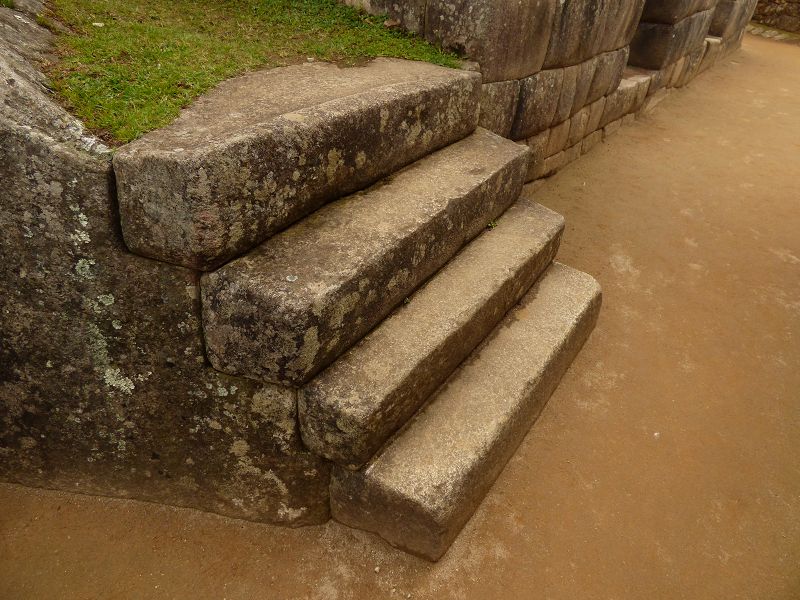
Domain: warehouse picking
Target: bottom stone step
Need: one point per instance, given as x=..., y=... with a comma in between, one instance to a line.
x=429, y=480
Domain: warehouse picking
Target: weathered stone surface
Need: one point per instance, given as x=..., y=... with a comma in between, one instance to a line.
x=692, y=65
x=712, y=48
x=672, y=11
x=572, y=154
x=608, y=74
x=410, y=13
x=611, y=128
x=566, y=99
x=499, y=106
x=731, y=17
x=350, y=409
x=538, y=146
x=596, y=110
x=554, y=163
x=621, y=102
x=654, y=100
x=583, y=84
x=425, y=486
x=538, y=101
x=508, y=38
x=590, y=141
x=265, y=149
x=621, y=23
x=656, y=45
x=578, y=124
x=292, y=306
x=782, y=14
x=558, y=138
x=104, y=387
x=578, y=32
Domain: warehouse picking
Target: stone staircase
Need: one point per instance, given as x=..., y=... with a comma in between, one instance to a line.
x=368, y=247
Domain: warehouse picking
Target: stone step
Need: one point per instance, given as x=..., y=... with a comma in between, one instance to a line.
x=422, y=489
x=263, y=150
x=288, y=309
x=349, y=410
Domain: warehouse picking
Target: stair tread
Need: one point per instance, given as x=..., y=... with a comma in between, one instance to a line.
x=263, y=150
x=291, y=306
x=349, y=410
x=421, y=490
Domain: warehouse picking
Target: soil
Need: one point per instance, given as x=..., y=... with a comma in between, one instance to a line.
x=665, y=465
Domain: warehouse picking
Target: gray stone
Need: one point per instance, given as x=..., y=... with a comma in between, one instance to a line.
x=730, y=18
x=289, y=308
x=608, y=74
x=427, y=483
x=590, y=141
x=558, y=138
x=567, y=97
x=104, y=386
x=553, y=164
x=578, y=126
x=350, y=409
x=538, y=146
x=623, y=18
x=499, y=106
x=410, y=13
x=263, y=150
x=611, y=128
x=654, y=100
x=508, y=38
x=672, y=11
x=621, y=102
x=583, y=84
x=712, y=48
x=656, y=45
x=572, y=154
x=538, y=102
x=578, y=30
x=596, y=110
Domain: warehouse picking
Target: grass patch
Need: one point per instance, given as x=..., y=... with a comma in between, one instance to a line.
x=7, y=3
x=128, y=67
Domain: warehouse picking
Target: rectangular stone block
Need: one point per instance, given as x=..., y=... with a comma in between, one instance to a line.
x=422, y=489
x=656, y=45
x=539, y=99
x=578, y=126
x=538, y=146
x=507, y=37
x=611, y=128
x=558, y=138
x=499, y=106
x=590, y=141
x=596, y=110
x=289, y=308
x=672, y=11
x=608, y=74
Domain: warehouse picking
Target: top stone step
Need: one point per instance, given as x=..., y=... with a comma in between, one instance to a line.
x=263, y=150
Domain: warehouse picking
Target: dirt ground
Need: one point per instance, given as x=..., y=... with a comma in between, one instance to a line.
x=667, y=464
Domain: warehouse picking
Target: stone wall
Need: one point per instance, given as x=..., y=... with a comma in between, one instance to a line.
x=560, y=74
x=781, y=14
x=104, y=385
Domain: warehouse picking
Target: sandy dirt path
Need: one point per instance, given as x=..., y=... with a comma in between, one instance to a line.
x=667, y=464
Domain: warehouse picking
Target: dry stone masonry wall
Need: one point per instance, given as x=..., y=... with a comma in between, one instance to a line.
x=781, y=14
x=559, y=75
x=107, y=322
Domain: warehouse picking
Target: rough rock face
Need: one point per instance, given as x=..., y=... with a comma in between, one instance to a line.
x=263, y=150
x=782, y=14
x=657, y=45
x=508, y=38
x=104, y=387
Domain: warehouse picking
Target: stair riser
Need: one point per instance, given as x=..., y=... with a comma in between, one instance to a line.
x=202, y=212
x=275, y=332
x=424, y=517
x=351, y=438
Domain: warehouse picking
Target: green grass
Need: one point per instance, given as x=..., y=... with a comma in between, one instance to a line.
x=7, y=3
x=152, y=57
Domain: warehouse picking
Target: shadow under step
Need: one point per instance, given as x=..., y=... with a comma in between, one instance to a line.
x=263, y=150
x=289, y=308
x=349, y=410
x=426, y=484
